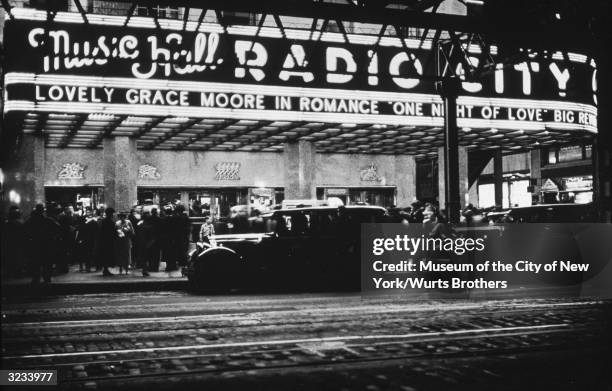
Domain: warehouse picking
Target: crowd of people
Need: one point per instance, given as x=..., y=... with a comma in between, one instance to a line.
x=52, y=239
x=419, y=212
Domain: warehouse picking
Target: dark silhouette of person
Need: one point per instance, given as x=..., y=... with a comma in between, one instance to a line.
x=166, y=236
x=106, y=241
x=146, y=243
x=134, y=217
x=181, y=229
x=42, y=234
x=155, y=249
x=58, y=251
x=68, y=222
x=12, y=243
x=87, y=232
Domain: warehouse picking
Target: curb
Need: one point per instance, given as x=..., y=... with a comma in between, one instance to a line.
x=53, y=289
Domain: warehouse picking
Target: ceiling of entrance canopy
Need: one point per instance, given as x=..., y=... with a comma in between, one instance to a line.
x=63, y=130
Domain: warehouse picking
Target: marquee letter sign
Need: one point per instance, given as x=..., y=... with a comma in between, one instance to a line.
x=211, y=72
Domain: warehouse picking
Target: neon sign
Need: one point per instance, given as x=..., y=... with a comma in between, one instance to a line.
x=209, y=71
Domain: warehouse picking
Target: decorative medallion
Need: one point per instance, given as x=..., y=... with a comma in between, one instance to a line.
x=71, y=171
x=370, y=174
x=147, y=171
x=227, y=171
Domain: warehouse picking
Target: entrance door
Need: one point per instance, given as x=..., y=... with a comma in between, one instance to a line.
x=79, y=197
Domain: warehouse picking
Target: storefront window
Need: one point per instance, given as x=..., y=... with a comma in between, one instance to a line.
x=486, y=195
x=519, y=194
x=261, y=198
x=588, y=151
x=199, y=202
x=575, y=189
x=216, y=202
x=515, y=194
x=158, y=12
x=78, y=197
x=570, y=153
x=384, y=197
x=341, y=194
x=427, y=180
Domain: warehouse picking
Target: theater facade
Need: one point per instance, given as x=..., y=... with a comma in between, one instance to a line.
x=121, y=112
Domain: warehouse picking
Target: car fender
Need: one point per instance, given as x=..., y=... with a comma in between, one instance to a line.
x=216, y=251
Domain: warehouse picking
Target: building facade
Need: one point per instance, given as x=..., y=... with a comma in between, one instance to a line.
x=215, y=113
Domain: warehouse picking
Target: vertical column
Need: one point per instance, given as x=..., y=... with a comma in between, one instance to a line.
x=535, y=162
x=299, y=170
x=473, y=194
x=405, y=172
x=24, y=175
x=498, y=171
x=120, y=172
x=185, y=199
x=602, y=145
x=462, y=170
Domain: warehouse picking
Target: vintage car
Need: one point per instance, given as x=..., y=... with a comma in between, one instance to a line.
x=545, y=213
x=299, y=248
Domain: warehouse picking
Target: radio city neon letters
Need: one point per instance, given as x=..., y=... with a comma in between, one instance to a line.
x=173, y=53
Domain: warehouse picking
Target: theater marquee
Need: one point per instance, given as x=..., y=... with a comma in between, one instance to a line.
x=233, y=72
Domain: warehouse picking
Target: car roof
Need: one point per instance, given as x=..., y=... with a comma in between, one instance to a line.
x=543, y=206
x=324, y=208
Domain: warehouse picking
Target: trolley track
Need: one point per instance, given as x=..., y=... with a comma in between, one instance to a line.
x=290, y=338
x=272, y=355
x=67, y=341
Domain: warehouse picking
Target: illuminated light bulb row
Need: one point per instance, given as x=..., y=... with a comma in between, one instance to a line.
x=270, y=32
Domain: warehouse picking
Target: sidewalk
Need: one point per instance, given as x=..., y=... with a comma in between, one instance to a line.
x=76, y=282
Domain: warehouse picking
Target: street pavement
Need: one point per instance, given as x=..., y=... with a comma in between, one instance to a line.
x=170, y=340
x=80, y=282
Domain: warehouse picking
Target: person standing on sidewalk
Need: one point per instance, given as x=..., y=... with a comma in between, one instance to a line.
x=134, y=218
x=41, y=238
x=68, y=221
x=106, y=241
x=86, y=240
x=57, y=253
x=12, y=243
x=154, y=251
x=207, y=230
x=123, y=242
x=181, y=229
x=145, y=241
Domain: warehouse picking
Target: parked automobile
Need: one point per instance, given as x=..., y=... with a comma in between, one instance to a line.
x=546, y=213
x=543, y=234
x=306, y=248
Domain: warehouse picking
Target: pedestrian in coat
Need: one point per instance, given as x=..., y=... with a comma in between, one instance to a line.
x=68, y=221
x=148, y=252
x=86, y=239
x=42, y=235
x=13, y=243
x=106, y=241
x=154, y=251
x=181, y=229
x=123, y=243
